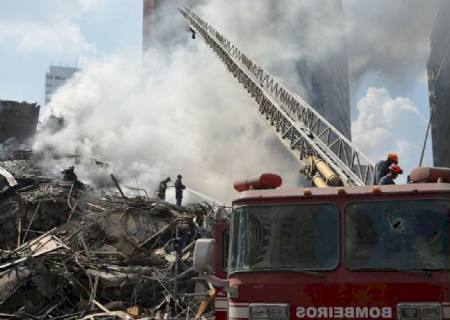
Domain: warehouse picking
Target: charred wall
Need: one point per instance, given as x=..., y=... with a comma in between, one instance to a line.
x=439, y=85
x=18, y=120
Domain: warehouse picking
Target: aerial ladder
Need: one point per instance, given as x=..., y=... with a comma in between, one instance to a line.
x=326, y=157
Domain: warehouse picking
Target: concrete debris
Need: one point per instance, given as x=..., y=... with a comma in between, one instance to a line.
x=69, y=252
x=8, y=177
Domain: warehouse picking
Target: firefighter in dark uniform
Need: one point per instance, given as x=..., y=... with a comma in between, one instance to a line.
x=162, y=188
x=382, y=167
x=179, y=187
x=69, y=174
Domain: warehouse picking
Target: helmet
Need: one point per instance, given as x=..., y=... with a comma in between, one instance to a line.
x=179, y=176
x=395, y=169
x=393, y=156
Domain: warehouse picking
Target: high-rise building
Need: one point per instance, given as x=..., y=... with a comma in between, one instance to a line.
x=157, y=30
x=319, y=72
x=147, y=22
x=438, y=68
x=55, y=78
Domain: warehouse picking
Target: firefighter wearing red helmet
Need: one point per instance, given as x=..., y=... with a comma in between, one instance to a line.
x=382, y=167
x=394, y=171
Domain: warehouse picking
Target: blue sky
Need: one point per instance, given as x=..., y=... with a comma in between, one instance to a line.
x=415, y=89
x=106, y=27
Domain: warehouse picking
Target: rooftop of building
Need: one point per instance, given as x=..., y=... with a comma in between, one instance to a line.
x=62, y=71
x=12, y=103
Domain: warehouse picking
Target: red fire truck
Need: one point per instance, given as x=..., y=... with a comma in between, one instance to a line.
x=367, y=252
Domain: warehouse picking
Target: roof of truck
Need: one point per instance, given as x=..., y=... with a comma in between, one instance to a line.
x=283, y=193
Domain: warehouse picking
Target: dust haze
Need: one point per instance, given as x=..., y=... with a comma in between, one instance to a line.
x=175, y=110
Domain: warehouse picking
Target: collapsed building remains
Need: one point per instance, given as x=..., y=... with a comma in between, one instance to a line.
x=18, y=120
x=69, y=252
x=18, y=123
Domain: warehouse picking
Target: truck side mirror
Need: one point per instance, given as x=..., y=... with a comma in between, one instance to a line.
x=205, y=256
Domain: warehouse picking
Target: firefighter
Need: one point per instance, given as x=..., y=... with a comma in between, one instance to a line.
x=382, y=167
x=69, y=174
x=394, y=171
x=193, y=32
x=179, y=187
x=162, y=188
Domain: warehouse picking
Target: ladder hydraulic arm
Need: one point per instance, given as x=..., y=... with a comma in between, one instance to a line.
x=319, y=147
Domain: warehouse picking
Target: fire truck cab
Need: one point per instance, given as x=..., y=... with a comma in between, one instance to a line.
x=371, y=252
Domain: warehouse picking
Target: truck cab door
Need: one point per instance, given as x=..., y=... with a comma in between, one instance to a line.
x=222, y=235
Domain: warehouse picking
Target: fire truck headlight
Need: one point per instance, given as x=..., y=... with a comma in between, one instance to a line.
x=280, y=312
x=259, y=311
x=269, y=311
x=431, y=312
x=409, y=312
x=423, y=311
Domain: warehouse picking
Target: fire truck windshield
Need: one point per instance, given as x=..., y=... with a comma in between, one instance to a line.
x=284, y=237
x=411, y=235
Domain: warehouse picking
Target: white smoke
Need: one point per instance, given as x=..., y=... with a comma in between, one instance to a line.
x=391, y=38
x=388, y=37
x=182, y=113
x=286, y=37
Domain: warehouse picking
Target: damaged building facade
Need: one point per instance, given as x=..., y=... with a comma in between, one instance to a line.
x=18, y=123
x=438, y=68
x=18, y=120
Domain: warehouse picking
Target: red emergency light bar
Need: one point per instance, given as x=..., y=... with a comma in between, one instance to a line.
x=430, y=174
x=263, y=181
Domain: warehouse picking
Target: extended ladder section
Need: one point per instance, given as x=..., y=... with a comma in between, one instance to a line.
x=300, y=128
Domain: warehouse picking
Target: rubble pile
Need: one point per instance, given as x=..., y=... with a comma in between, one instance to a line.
x=72, y=253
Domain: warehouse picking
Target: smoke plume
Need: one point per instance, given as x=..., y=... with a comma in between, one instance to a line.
x=180, y=112
x=389, y=37
x=181, y=115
